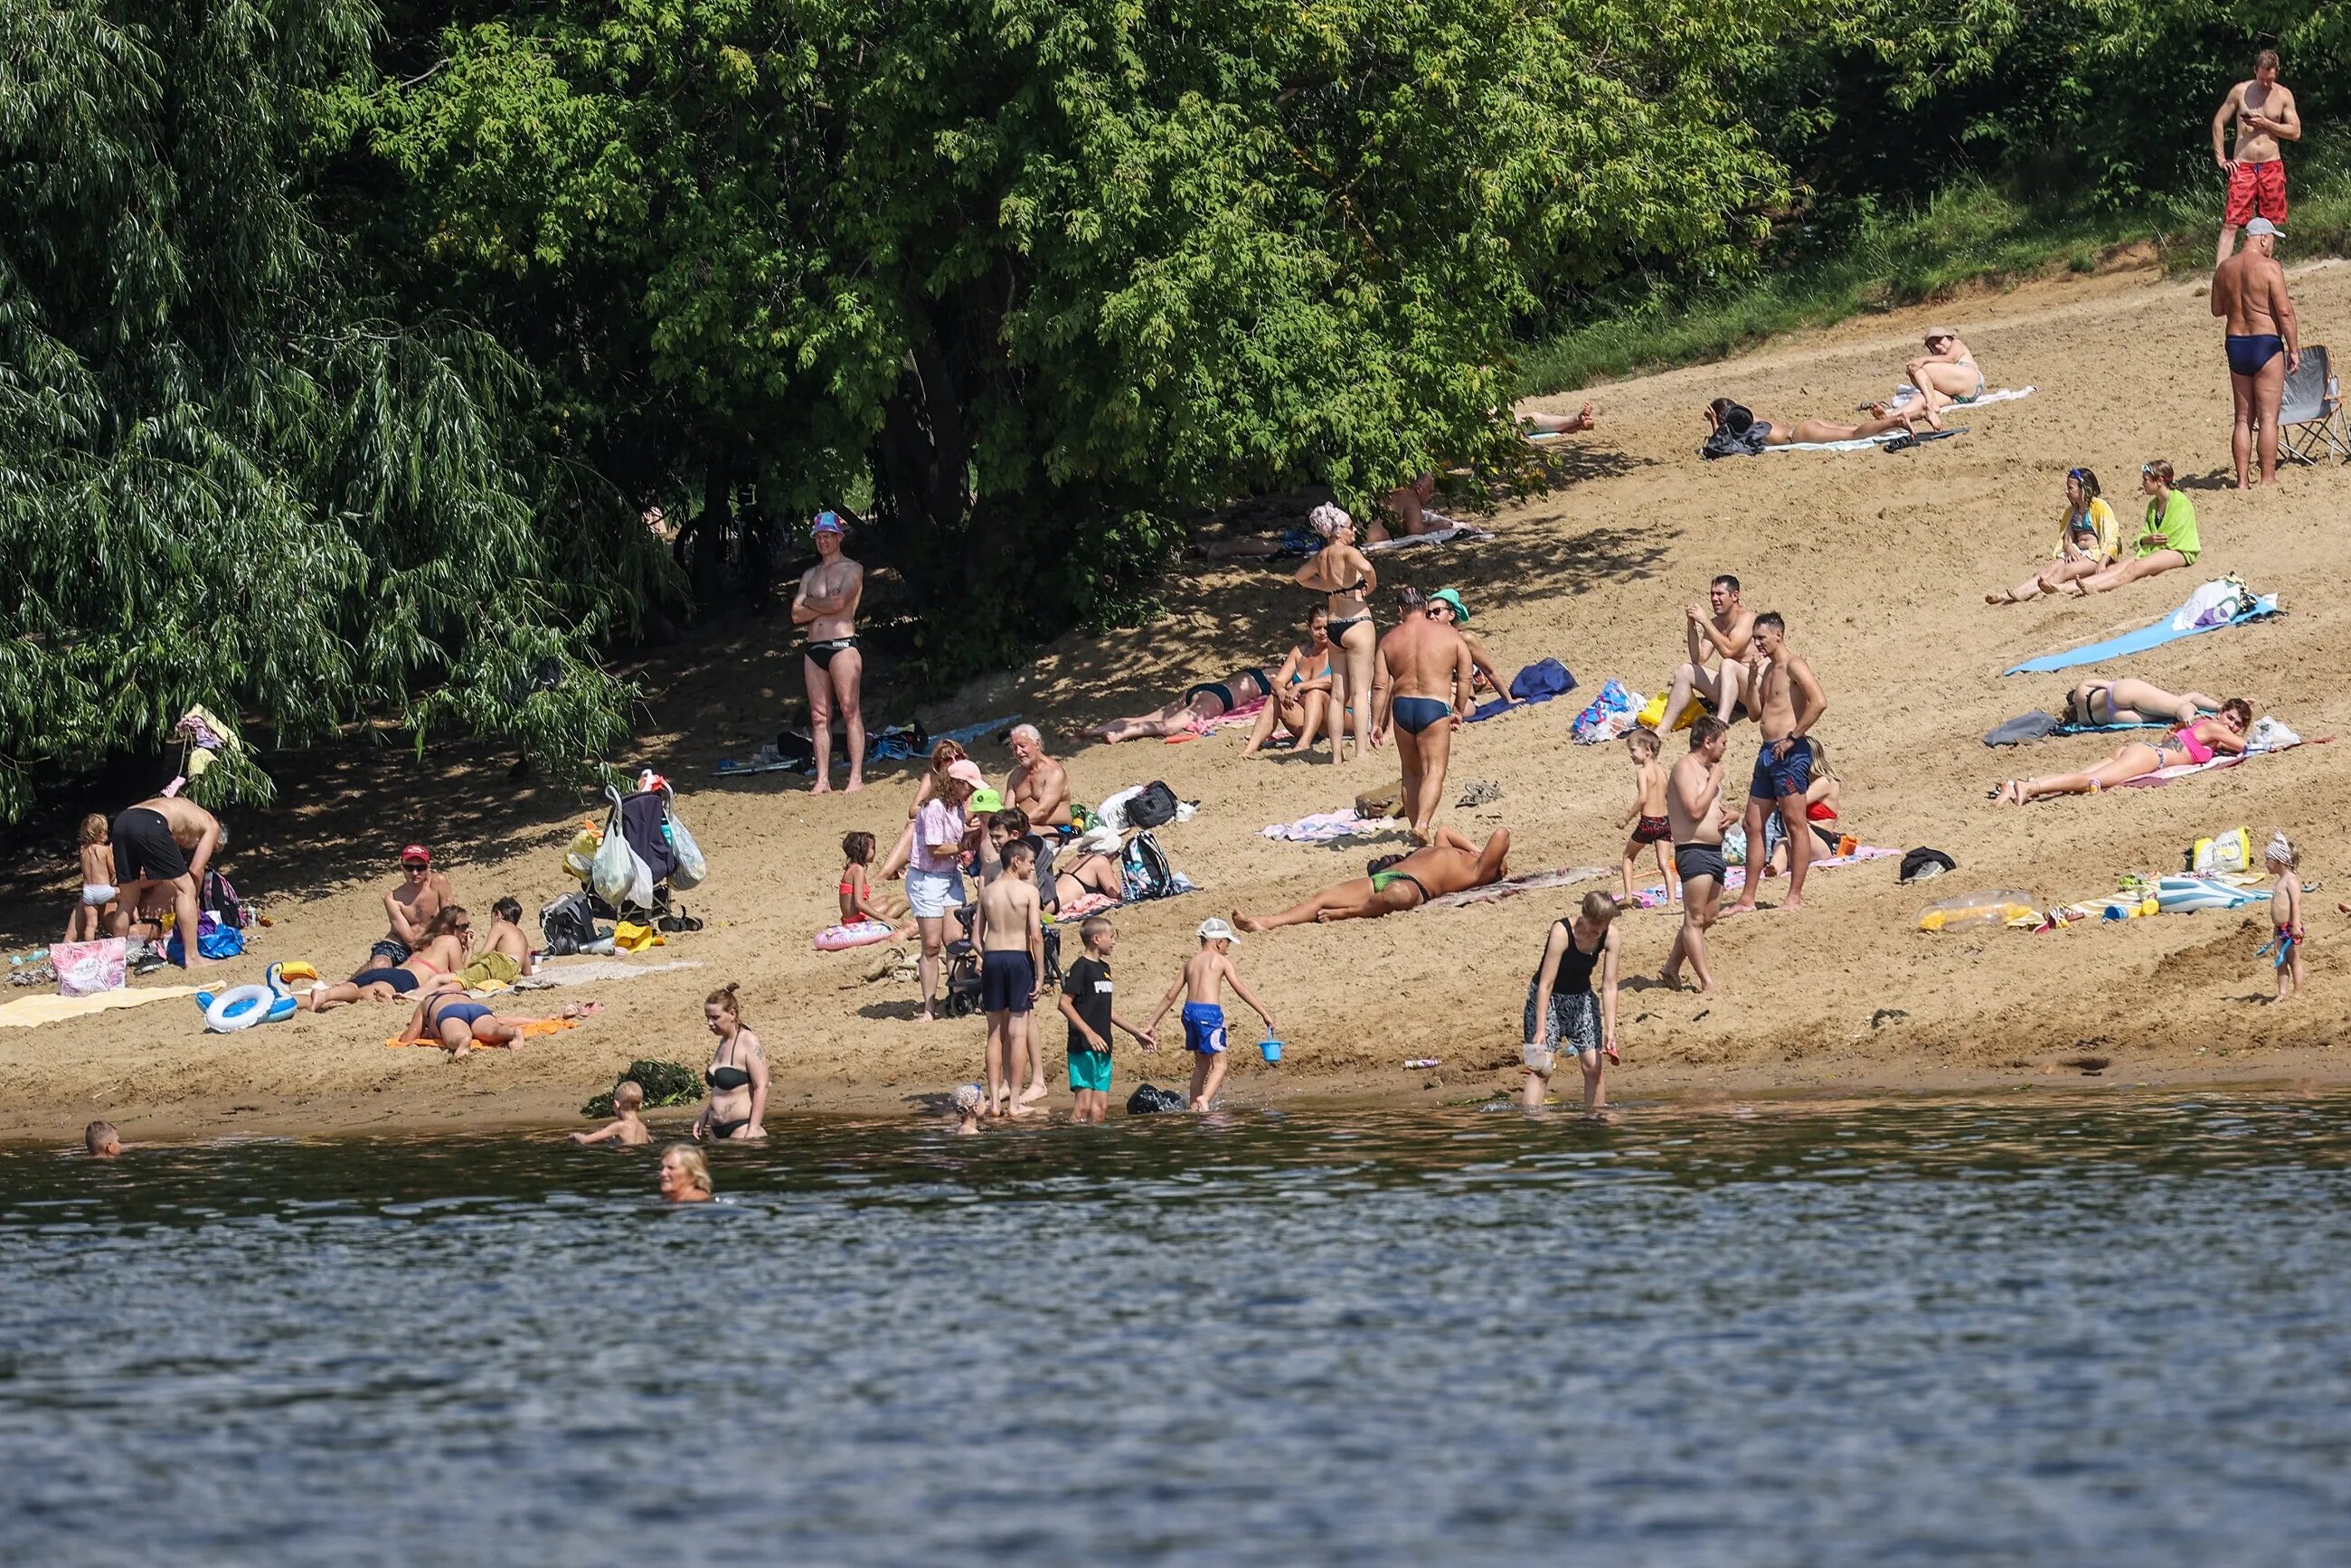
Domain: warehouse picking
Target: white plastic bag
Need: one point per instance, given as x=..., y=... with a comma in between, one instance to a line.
x=619, y=874
x=691, y=867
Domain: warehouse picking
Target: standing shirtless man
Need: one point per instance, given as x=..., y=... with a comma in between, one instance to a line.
x=2262, y=343
x=1693, y=802
x=834, y=666
x=1425, y=685
x=409, y=909
x=1789, y=702
x=165, y=843
x=1038, y=785
x=1723, y=636
x=2265, y=116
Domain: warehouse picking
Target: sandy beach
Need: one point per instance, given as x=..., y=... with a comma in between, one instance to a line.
x=1878, y=561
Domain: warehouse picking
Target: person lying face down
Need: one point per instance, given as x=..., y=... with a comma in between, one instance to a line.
x=1753, y=430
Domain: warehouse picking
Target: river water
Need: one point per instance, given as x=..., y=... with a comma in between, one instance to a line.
x=2109, y=1330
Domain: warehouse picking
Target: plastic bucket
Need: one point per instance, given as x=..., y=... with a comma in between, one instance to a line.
x=1270, y=1049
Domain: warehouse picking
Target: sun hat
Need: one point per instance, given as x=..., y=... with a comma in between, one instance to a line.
x=1461, y=610
x=417, y=853
x=986, y=800
x=964, y=769
x=2262, y=227
x=2281, y=849
x=1216, y=930
x=826, y=523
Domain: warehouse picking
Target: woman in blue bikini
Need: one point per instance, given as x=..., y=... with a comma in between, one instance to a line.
x=458, y=1024
x=1302, y=689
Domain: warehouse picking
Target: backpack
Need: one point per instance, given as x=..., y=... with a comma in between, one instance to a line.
x=568, y=925
x=1144, y=871
x=1154, y=807
x=218, y=895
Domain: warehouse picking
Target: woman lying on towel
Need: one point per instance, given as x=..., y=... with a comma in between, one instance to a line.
x=2190, y=746
x=2089, y=540
x=2128, y=701
x=1203, y=703
x=1753, y=430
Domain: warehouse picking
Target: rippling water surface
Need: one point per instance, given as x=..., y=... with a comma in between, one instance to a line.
x=2107, y=1332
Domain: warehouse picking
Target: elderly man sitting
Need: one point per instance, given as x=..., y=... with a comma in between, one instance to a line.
x=1038, y=785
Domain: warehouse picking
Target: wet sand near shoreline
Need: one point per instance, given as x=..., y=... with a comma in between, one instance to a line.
x=1879, y=562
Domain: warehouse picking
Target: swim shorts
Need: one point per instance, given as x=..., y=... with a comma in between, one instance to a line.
x=144, y=850
x=2256, y=189
x=1007, y=982
x=400, y=981
x=1090, y=1070
x=389, y=952
x=1652, y=830
x=1700, y=859
x=931, y=894
x=1777, y=778
x=1203, y=1028
x=467, y=1013
x=1573, y=1024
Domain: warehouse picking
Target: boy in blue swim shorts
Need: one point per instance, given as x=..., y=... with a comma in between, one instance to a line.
x=1086, y=1002
x=1202, y=987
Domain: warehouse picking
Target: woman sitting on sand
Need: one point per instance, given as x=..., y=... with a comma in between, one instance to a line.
x=736, y=1076
x=2089, y=541
x=1751, y=430
x=1203, y=703
x=2168, y=542
x=434, y=966
x=2126, y=701
x=1302, y=689
x=2191, y=745
x=1346, y=573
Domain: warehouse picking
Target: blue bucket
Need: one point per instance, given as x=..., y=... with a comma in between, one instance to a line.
x=1269, y=1048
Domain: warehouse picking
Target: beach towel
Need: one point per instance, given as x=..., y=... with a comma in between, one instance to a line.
x=1324, y=827
x=2166, y=775
x=490, y=973
x=1863, y=442
x=2145, y=637
x=2038, y=725
x=30, y=1012
x=1230, y=719
x=1464, y=531
x=1654, y=897
x=552, y=975
x=1510, y=887
x=1907, y=395
x=1074, y=910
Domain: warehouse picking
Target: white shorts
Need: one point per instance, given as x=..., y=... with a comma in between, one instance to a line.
x=932, y=893
x=96, y=894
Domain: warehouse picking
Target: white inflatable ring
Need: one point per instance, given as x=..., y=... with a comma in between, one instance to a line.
x=240, y=1008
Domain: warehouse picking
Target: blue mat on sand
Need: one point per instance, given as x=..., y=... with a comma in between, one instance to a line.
x=2138, y=642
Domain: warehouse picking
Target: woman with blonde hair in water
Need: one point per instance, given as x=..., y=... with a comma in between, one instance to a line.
x=1346, y=573
x=684, y=1174
x=1564, y=1013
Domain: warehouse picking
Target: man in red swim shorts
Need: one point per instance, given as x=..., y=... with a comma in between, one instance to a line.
x=2265, y=116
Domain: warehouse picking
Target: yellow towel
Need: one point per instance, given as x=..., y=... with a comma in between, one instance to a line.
x=26, y=1012
x=631, y=938
x=491, y=972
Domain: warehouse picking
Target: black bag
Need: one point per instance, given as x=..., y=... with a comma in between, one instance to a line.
x=568, y=925
x=1144, y=871
x=219, y=895
x=1153, y=808
x=1149, y=1099
x=1922, y=863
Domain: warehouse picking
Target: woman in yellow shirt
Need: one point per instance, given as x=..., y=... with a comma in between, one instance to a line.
x=2089, y=540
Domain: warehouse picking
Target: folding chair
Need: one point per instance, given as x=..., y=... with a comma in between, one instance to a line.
x=2310, y=413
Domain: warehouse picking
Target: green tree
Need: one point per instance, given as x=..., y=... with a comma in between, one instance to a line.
x=1037, y=276
x=229, y=476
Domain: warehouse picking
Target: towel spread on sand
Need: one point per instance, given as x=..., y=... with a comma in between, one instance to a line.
x=1864, y=442
x=1464, y=531
x=1907, y=395
x=556, y=972
x=1232, y=717
x=1323, y=826
x=1654, y=897
x=1510, y=887
x=27, y=1012
x=534, y=1028
x=2140, y=641
x=2163, y=776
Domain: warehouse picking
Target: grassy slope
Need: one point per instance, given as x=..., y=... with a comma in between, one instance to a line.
x=1971, y=234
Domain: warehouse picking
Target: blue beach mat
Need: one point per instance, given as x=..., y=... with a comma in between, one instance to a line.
x=2140, y=641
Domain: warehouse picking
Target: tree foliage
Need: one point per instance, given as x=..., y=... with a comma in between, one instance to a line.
x=228, y=474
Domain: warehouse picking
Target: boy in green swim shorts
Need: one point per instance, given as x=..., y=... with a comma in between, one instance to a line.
x=1086, y=1003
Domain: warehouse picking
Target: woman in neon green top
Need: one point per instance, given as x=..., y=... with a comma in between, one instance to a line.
x=2169, y=543
x=2089, y=540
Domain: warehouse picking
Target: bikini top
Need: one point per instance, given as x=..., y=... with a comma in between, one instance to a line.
x=725, y=1078
x=2192, y=743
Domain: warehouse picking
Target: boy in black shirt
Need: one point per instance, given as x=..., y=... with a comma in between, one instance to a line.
x=1086, y=1003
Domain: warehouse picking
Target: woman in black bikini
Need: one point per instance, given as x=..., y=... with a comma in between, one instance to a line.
x=1346, y=573
x=737, y=1073
x=432, y=967
x=1564, y=1012
x=1302, y=689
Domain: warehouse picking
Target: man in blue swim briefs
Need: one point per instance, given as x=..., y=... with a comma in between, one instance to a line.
x=1791, y=703
x=1422, y=687
x=2262, y=343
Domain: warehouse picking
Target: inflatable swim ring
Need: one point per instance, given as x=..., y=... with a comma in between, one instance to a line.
x=833, y=938
x=239, y=1009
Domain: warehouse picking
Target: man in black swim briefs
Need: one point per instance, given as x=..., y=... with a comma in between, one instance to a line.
x=164, y=844
x=1424, y=679
x=2262, y=342
x=1693, y=810
x=834, y=669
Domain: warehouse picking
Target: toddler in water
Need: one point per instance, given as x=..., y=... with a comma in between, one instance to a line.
x=1202, y=987
x=627, y=1126
x=87, y=922
x=1647, y=815
x=967, y=1101
x=857, y=900
x=2285, y=913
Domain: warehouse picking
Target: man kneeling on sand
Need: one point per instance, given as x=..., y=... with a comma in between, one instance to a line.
x=1451, y=864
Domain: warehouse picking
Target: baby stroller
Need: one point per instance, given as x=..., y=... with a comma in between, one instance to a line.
x=959, y=966
x=645, y=825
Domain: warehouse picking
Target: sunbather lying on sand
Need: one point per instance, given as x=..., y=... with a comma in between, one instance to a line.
x=1449, y=865
x=457, y=1024
x=1750, y=426
x=2126, y=701
x=2191, y=744
x=1208, y=700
